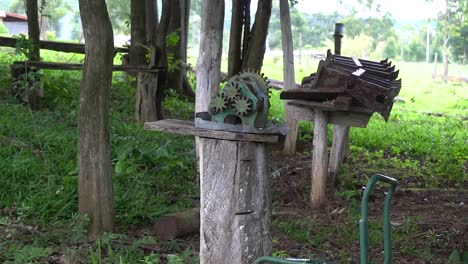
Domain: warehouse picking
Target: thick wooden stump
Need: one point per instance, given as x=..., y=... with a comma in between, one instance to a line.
x=235, y=202
x=319, y=160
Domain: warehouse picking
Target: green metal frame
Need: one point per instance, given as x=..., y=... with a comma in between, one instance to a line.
x=363, y=226
x=363, y=223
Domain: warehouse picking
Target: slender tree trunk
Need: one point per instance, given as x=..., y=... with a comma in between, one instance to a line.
x=33, y=29
x=138, y=33
x=186, y=87
x=235, y=38
x=257, y=43
x=95, y=192
x=288, y=75
x=175, y=25
x=160, y=55
x=209, y=59
x=246, y=38
x=151, y=22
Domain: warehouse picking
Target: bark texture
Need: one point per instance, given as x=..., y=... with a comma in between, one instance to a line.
x=235, y=203
x=235, y=38
x=209, y=59
x=95, y=192
x=33, y=29
x=138, y=33
x=257, y=41
x=288, y=75
x=145, y=104
x=319, y=160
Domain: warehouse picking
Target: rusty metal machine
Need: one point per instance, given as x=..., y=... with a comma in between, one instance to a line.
x=242, y=105
x=243, y=100
x=350, y=83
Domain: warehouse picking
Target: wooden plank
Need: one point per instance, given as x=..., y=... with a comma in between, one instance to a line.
x=311, y=94
x=79, y=66
x=319, y=160
x=188, y=128
x=328, y=106
x=55, y=45
x=235, y=213
x=343, y=103
x=349, y=119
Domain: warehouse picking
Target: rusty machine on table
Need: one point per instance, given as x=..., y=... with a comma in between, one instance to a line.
x=347, y=84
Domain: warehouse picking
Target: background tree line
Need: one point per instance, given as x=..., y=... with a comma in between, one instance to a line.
x=379, y=36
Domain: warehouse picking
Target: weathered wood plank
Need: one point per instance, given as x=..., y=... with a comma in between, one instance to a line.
x=55, y=45
x=79, y=66
x=235, y=202
x=319, y=160
x=349, y=119
x=188, y=128
x=311, y=94
x=328, y=106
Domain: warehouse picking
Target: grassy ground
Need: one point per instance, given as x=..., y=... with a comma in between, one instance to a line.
x=155, y=173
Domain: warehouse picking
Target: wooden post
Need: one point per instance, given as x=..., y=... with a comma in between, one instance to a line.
x=288, y=75
x=319, y=159
x=340, y=132
x=338, y=151
x=434, y=75
x=235, y=202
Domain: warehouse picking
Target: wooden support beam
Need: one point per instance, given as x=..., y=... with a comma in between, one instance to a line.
x=235, y=213
x=188, y=128
x=319, y=160
x=55, y=45
x=79, y=66
x=339, y=147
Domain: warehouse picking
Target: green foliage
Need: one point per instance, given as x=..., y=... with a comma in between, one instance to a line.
x=23, y=45
x=172, y=40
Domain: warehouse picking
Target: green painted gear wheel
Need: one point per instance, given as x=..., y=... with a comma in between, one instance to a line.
x=218, y=103
x=232, y=91
x=243, y=105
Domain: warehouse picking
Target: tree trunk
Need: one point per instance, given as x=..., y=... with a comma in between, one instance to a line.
x=95, y=192
x=150, y=108
x=138, y=51
x=33, y=29
x=288, y=75
x=257, y=42
x=235, y=38
x=151, y=22
x=186, y=87
x=161, y=56
x=145, y=106
x=209, y=59
x=175, y=25
x=246, y=38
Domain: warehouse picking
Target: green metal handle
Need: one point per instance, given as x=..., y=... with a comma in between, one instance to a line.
x=363, y=222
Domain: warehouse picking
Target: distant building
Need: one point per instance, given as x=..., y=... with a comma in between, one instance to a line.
x=15, y=23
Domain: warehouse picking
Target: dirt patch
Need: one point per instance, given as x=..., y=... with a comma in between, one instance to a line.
x=427, y=225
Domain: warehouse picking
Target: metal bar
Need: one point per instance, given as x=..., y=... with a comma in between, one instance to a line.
x=363, y=222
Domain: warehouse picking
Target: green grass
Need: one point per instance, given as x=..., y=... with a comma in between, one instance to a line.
x=154, y=173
